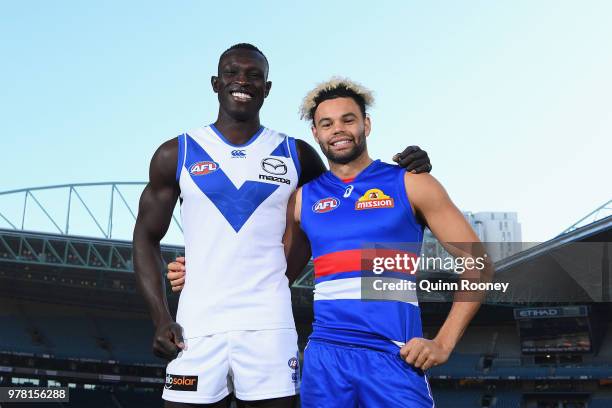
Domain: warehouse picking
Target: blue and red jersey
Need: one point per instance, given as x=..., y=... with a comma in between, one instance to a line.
x=344, y=220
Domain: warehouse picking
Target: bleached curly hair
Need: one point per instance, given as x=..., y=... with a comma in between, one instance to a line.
x=335, y=87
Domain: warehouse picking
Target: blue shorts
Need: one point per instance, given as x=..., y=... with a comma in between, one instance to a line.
x=345, y=376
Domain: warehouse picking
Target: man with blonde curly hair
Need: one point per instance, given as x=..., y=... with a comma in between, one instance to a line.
x=366, y=348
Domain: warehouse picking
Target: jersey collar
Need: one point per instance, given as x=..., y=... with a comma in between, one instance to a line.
x=368, y=169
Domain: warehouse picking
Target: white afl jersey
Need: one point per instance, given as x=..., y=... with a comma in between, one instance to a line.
x=234, y=202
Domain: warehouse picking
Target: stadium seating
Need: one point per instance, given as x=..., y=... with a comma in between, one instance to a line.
x=130, y=339
x=605, y=351
x=458, y=365
x=601, y=400
x=64, y=334
x=475, y=341
x=507, y=342
x=507, y=399
x=521, y=372
x=137, y=398
x=70, y=333
x=90, y=399
x=457, y=398
x=17, y=336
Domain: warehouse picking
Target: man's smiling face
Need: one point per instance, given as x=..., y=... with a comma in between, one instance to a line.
x=340, y=129
x=241, y=84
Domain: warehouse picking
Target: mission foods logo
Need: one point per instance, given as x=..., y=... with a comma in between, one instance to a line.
x=373, y=198
x=326, y=205
x=202, y=168
x=181, y=382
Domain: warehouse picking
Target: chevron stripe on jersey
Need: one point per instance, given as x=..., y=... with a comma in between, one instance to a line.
x=233, y=207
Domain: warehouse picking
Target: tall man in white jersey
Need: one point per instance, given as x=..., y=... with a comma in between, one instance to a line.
x=235, y=331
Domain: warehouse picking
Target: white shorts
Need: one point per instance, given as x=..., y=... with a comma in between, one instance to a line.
x=254, y=364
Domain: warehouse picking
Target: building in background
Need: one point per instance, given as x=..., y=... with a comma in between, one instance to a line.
x=501, y=232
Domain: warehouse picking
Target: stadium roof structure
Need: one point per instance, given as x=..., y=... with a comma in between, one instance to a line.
x=573, y=267
x=92, y=210
x=599, y=213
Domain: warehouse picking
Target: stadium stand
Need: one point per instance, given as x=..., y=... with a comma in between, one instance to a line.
x=91, y=399
x=506, y=399
x=506, y=342
x=135, y=398
x=16, y=336
x=457, y=398
x=601, y=400
x=476, y=341
x=128, y=339
x=68, y=323
x=458, y=366
x=60, y=331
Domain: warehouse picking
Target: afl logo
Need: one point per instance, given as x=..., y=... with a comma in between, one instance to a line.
x=326, y=205
x=202, y=168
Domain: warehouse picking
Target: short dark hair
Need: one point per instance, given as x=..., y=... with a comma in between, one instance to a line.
x=243, y=46
x=336, y=88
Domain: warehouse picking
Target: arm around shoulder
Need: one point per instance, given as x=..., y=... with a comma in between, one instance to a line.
x=310, y=162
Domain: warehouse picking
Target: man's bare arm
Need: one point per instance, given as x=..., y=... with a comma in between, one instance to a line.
x=297, y=246
x=154, y=216
x=433, y=205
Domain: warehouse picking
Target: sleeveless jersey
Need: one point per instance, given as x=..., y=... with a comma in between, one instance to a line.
x=342, y=220
x=233, y=208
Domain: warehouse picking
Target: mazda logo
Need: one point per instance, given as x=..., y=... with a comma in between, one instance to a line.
x=274, y=166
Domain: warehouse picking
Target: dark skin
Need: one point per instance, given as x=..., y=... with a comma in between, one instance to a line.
x=246, y=72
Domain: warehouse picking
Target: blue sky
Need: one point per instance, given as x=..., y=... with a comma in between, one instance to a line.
x=512, y=100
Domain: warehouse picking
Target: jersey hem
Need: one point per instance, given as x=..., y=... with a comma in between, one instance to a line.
x=289, y=392
x=195, y=399
x=246, y=327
